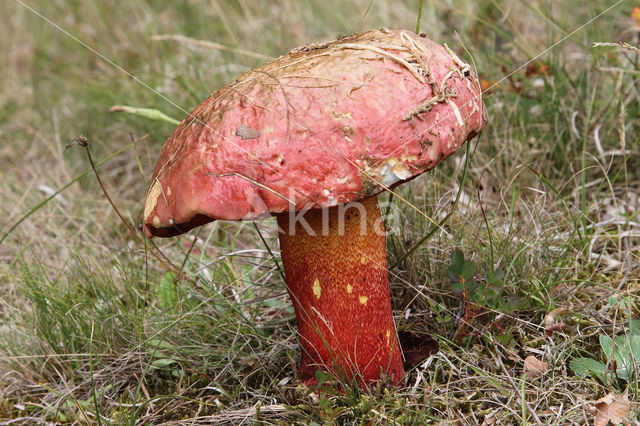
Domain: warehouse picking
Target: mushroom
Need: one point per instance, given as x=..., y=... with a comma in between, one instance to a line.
x=311, y=138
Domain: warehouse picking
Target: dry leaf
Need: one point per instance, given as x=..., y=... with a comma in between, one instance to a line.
x=416, y=347
x=612, y=408
x=559, y=326
x=550, y=324
x=534, y=367
x=550, y=319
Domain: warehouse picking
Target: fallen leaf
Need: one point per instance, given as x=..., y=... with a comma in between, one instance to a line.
x=550, y=319
x=550, y=324
x=612, y=408
x=559, y=326
x=416, y=347
x=534, y=367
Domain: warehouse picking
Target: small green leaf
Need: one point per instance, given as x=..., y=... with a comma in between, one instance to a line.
x=453, y=275
x=457, y=286
x=324, y=403
x=634, y=327
x=621, y=342
x=150, y=113
x=471, y=284
x=624, y=373
x=587, y=367
x=494, y=278
x=624, y=346
x=457, y=257
x=506, y=339
x=163, y=362
x=320, y=376
x=160, y=344
x=468, y=270
x=634, y=341
x=607, y=346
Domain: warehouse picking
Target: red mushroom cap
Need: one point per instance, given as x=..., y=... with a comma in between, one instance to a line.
x=323, y=125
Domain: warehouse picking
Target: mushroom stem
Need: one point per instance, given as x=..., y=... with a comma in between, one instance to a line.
x=336, y=269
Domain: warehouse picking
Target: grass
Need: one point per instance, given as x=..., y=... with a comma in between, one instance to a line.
x=94, y=329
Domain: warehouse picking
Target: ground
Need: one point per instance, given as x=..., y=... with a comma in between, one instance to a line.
x=535, y=253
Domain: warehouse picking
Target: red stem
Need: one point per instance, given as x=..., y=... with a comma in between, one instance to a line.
x=338, y=282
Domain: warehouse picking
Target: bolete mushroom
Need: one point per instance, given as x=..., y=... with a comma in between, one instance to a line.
x=311, y=138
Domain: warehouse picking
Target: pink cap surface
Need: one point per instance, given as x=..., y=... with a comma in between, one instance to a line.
x=323, y=125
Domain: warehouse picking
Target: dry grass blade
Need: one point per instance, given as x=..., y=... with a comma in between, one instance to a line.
x=208, y=45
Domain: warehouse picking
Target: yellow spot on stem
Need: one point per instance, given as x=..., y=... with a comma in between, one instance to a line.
x=363, y=259
x=388, y=336
x=363, y=300
x=349, y=288
x=317, y=290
